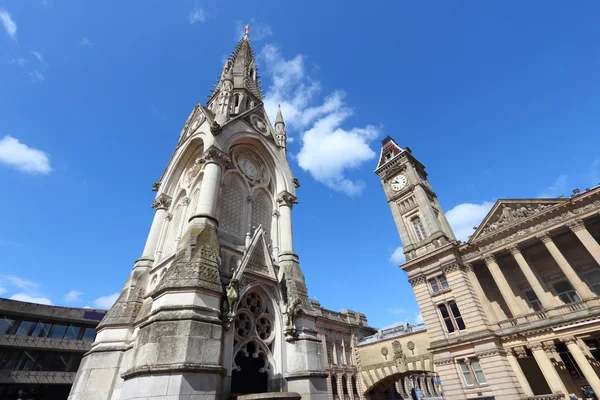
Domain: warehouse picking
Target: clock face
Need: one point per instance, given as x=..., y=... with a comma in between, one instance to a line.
x=398, y=182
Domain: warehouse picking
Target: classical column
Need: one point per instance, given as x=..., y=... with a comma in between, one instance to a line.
x=532, y=279
x=556, y=384
x=286, y=200
x=275, y=234
x=579, y=229
x=161, y=204
x=186, y=202
x=163, y=234
x=214, y=161
x=511, y=301
x=584, y=364
x=514, y=364
x=582, y=289
x=487, y=307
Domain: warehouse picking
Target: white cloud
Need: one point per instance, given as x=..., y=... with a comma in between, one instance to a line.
x=88, y=307
x=558, y=188
x=9, y=25
x=20, y=283
x=397, y=310
x=465, y=216
x=106, y=302
x=258, y=31
x=397, y=256
x=85, y=42
x=2, y=290
x=23, y=157
x=197, y=15
x=37, y=76
x=73, y=296
x=328, y=151
x=19, y=61
x=38, y=55
x=419, y=318
x=30, y=299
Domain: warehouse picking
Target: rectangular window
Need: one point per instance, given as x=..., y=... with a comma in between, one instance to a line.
x=6, y=324
x=438, y=283
x=451, y=316
x=472, y=372
x=419, y=228
x=27, y=361
x=42, y=329
x=593, y=281
x=533, y=301
x=566, y=292
x=72, y=332
x=25, y=328
x=58, y=331
x=89, y=335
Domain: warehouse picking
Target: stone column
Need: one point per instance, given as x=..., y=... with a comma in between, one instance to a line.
x=163, y=234
x=511, y=301
x=275, y=234
x=532, y=278
x=161, y=204
x=487, y=307
x=214, y=160
x=556, y=384
x=186, y=202
x=584, y=364
x=579, y=229
x=582, y=289
x=286, y=200
x=514, y=364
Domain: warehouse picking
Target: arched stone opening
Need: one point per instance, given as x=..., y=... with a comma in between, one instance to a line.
x=404, y=385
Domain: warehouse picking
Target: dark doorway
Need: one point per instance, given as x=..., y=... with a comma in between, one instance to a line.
x=248, y=379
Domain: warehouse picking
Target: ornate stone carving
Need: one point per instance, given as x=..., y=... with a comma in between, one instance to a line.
x=215, y=128
x=291, y=310
x=193, y=171
x=286, y=199
x=513, y=213
x=416, y=280
x=162, y=202
x=384, y=352
x=216, y=156
x=544, y=225
x=276, y=214
x=259, y=124
x=231, y=298
x=520, y=352
x=410, y=345
x=468, y=267
x=451, y=267
x=490, y=259
x=397, y=348
x=169, y=216
x=185, y=201
x=570, y=339
x=514, y=249
x=156, y=186
x=544, y=237
x=296, y=183
x=576, y=225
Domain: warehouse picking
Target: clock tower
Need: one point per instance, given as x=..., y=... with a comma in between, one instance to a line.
x=422, y=224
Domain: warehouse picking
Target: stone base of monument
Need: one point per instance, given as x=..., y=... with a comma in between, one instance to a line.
x=270, y=396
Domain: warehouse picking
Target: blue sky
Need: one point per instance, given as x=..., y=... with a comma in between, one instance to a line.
x=497, y=99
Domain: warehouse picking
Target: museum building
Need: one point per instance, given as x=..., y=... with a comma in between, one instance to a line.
x=514, y=312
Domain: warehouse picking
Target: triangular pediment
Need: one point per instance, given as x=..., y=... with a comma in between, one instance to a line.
x=256, y=260
x=508, y=212
x=256, y=120
x=199, y=115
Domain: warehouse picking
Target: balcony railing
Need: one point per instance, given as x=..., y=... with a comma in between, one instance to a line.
x=571, y=309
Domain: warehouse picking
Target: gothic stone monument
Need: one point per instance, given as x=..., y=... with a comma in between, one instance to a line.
x=217, y=304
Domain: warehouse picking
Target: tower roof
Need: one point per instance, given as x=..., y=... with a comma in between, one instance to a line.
x=279, y=118
x=389, y=151
x=242, y=66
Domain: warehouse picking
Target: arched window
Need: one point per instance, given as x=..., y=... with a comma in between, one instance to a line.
x=252, y=74
x=170, y=244
x=236, y=101
x=247, y=103
x=262, y=211
x=344, y=385
x=334, y=388
x=329, y=353
x=232, y=206
x=348, y=354
x=354, y=387
x=419, y=228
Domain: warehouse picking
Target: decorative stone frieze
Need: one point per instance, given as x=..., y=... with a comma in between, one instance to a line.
x=513, y=213
x=417, y=280
x=214, y=155
x=490, y=353
x=162, y=202
x=287, y=199
x=444, y=361
x=451, y=268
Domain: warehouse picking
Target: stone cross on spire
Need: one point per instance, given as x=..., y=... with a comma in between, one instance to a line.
x=246, y=31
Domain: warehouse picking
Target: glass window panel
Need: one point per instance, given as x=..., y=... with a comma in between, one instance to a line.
x=27, y=361
x=75, y=361
x=61, y=362
x=25, y=328
x=44, y=361
x=454, y=308
x=42, y=329
x=89, y=335
x=460, y=323
x=571, y=365
x=9, y=360
x=443, y=282
x=464, y=368
x=58, y=331
x=563, y=286
x=444, y=311
x=479, y=375
x=72, y=332
x=434, y=285
x=5, y=324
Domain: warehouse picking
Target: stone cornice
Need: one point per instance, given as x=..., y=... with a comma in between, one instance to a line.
x=490, y=353
x=525, y=232
x=452, y=267
x=417, y=280
x=444, y=361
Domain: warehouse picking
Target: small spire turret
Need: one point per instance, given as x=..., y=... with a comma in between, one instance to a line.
x=280, y=131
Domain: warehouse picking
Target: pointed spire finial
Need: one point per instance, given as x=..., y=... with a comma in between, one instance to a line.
x=279, y=118
x=246, y=31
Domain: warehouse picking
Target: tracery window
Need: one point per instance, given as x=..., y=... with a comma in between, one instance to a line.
x=170, y=244
x=232, y=203
x=193, y=203
x=419, y=228
x=254, y=331
x=262, y=211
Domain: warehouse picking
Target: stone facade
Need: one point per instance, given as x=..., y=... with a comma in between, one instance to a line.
x=514, y=312
x=217, y=304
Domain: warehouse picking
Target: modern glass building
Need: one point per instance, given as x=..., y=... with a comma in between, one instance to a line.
x=41, y=348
